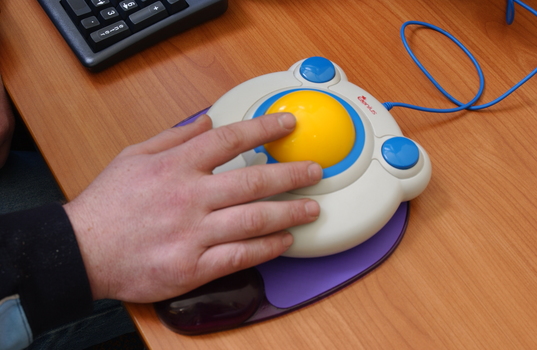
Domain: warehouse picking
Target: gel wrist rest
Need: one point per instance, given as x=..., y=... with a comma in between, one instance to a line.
x=279, y=286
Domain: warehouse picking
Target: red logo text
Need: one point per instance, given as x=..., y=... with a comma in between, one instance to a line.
x=363, y=99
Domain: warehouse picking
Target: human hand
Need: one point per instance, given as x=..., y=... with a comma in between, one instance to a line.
x=7, y=125
x=156, y=223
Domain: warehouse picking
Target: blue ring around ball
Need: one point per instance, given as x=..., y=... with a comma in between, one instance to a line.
x=359, y=140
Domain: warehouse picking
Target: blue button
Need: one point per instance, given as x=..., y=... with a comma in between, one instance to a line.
x=400, y=152
x=317, y=70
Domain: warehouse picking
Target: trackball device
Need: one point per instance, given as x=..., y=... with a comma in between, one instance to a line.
x=369, y=167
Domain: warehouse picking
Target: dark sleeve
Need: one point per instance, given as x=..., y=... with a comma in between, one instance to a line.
x=41, y=262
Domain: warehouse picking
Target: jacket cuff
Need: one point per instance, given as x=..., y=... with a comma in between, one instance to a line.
x=44, y=266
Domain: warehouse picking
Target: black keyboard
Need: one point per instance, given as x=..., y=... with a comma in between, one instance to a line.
x=104, y=32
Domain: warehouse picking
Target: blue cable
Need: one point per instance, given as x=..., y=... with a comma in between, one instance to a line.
x=510, y=13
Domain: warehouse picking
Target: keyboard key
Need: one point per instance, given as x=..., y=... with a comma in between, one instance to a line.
x=109, y=35
x=127, y=7
x=88, y=25
x=109, y=15
x=175, y=6
x=148, y=16
x=77, y=9
x=100, y=4
x=144, y=3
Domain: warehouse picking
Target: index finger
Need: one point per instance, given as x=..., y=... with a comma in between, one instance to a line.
x=220, y=145
x=171, y=137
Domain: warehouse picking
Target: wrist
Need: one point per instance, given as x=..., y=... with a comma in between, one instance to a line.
x=84, y=230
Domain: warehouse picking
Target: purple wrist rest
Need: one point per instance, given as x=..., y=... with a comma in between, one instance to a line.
x=278, y=286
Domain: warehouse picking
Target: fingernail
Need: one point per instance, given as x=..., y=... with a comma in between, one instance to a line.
x=287, y=240
x=312, y=208
x=287, y=121
x=200, y=118
x=315, y=172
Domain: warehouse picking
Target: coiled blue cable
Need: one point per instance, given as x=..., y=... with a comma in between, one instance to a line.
x=510, y=13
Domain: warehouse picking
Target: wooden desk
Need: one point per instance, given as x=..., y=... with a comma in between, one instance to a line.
x=464, y=276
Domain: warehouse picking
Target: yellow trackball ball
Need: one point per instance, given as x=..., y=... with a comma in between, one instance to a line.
x=324, y=130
